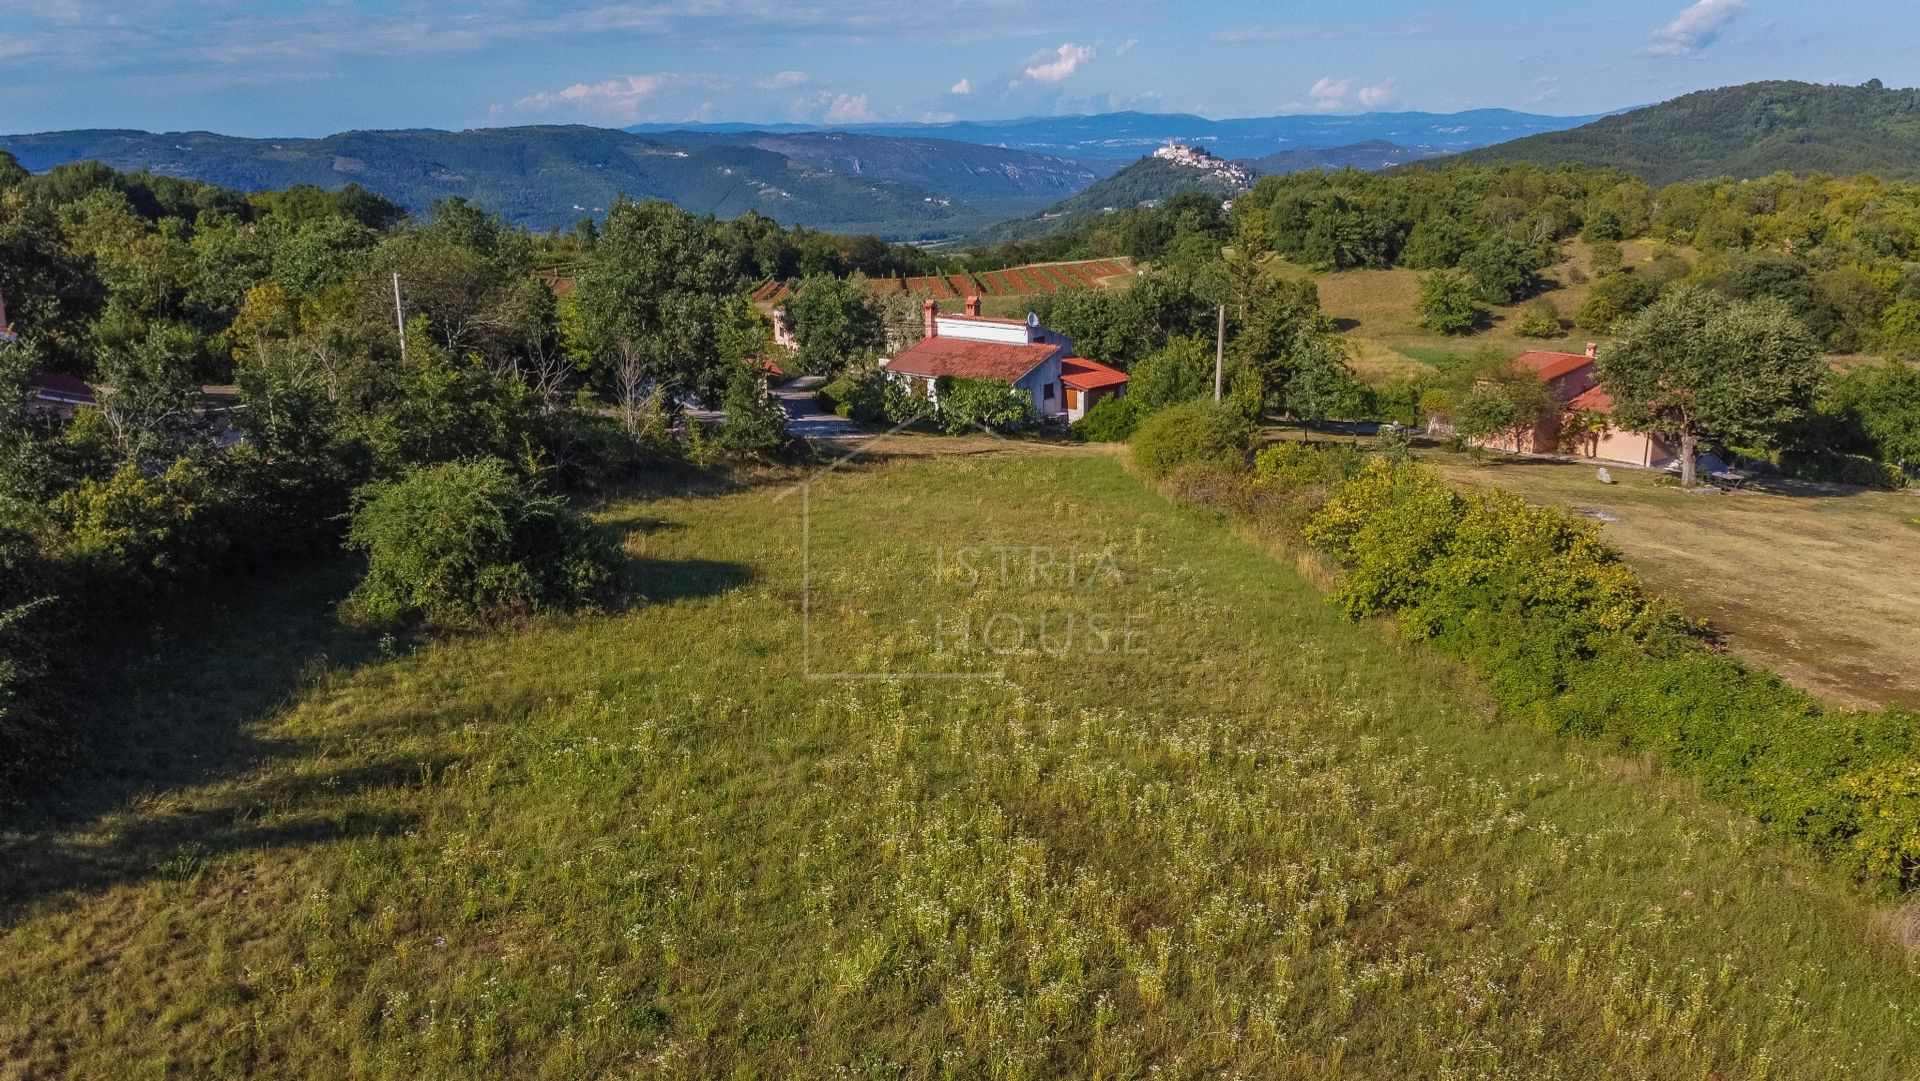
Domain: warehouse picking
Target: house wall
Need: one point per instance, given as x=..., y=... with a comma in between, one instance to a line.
x=1090, y=398
x=970, y=330
x=1630, y=448
x=1035, y=383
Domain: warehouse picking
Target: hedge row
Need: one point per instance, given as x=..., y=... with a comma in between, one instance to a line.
x=1565, y=633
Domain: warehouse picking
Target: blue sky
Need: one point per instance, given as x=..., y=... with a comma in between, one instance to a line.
x=269, y=67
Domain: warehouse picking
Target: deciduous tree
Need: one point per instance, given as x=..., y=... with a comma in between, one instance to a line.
x=1696, y=366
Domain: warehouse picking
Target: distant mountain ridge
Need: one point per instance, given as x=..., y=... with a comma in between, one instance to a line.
x=1371, y=155
x=927, y=182
x=962, y=170
x=1128, y=135
x=1743, y=132
x=548, y=176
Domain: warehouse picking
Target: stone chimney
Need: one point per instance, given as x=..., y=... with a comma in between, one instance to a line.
x=932, y=311
x=1593, y=350
x=973, y=306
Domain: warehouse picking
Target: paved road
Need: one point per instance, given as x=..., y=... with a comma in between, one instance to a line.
x=806, y=419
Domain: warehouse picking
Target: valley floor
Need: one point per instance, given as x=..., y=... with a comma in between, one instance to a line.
x=1095, y=788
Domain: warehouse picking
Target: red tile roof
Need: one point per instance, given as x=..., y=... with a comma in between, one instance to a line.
x=1595, y=398
x=970, y=359
x=1083, y=374
x=1551, y=366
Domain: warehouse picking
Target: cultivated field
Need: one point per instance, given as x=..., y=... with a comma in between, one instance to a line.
x=1819, y=583
x=1196, y=825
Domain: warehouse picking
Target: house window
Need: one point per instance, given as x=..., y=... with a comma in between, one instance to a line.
x=1046, y=392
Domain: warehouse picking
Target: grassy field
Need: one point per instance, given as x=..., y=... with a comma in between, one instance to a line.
x=1104, y=790
x=1819, y=583
x=1374, y=309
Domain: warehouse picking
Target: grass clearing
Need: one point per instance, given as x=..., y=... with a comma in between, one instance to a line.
x=1266, y=842
x=1374, y=311
x=1817, y=582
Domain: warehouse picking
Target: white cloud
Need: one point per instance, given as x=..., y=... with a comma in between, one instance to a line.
x=847, y=109
x=1126, y=46
x=1372, y=97
x=1330, y=93
x=1060, y=64
x=1695, y=28
x=963, y=87
x=627, y=99
x=614, y=99
x=783, y=80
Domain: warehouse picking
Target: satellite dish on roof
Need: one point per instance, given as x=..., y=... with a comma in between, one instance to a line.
x=1033, y=319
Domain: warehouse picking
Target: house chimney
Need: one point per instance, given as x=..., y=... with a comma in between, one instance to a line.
x=973, y=306
x=1593, y=350
x=932, y=311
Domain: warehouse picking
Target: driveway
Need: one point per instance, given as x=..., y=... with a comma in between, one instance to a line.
x=806, y=419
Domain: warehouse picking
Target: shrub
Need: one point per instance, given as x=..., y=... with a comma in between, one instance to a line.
x=1540, y=320
x=140, y=532
x=1180, y=371
x=970, y=404
x=1855, y=469
x=1111, y=420
x=1565, y=633
x=1302, y=465
x=1883, y=805
x=1192, y=433
x=861, y=399
x=27, y=637
x=756, y=424
x=1445, y=303
x=469, y=543
x=1395, y=443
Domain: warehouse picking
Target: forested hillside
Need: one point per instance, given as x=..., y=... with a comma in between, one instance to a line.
x=1146, y=182
x=1742, y=131
x=1372, y=154
x=543, y=177
x=993, y=177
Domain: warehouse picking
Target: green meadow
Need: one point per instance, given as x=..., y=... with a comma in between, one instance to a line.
x=989, y=763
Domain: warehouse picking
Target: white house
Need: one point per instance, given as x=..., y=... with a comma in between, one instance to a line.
x=1022, y=353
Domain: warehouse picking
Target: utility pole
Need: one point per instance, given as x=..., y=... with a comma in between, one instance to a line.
x=1220, y=355
x=400, y=315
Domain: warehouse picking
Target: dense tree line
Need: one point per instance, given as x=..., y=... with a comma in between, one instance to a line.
x=1837, y=257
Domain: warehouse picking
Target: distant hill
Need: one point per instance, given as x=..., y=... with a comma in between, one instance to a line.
x=982, y=174
x=546, y=176
x=1742, y=131
x=1371, y=155
x=904, y=181
x=1128, y=135
x=1154, y=179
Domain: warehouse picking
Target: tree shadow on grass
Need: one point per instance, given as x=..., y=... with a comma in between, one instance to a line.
x=174, y=708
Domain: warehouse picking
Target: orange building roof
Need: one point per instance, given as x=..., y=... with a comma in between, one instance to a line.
x=1550, y=366
x=965, y=359
x=1595, y=398
x=1083, y=374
